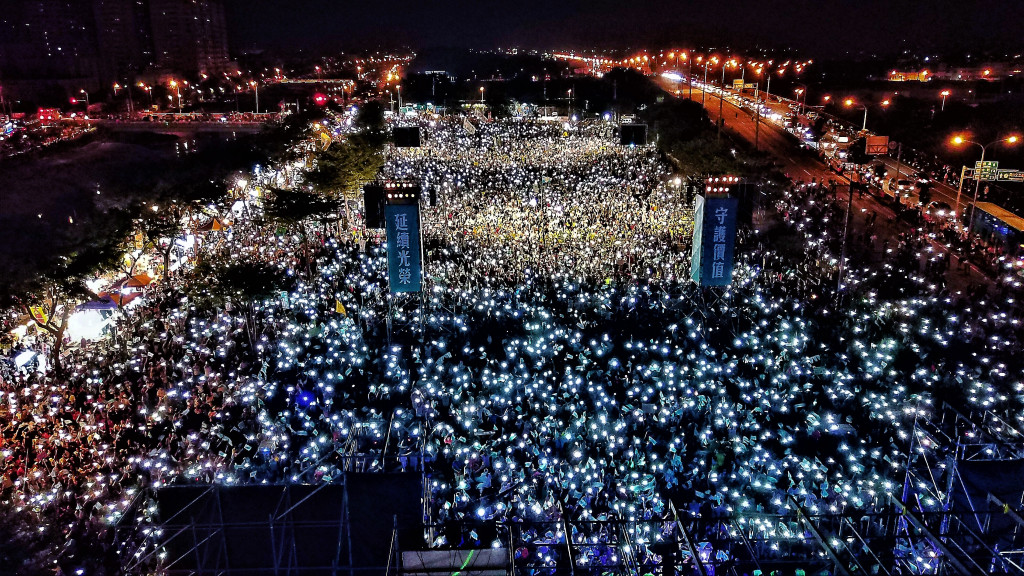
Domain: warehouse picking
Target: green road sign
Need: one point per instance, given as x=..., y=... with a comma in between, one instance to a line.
x=988, y=170
x=1011, y=175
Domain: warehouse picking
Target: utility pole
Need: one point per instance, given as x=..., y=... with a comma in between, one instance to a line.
x=689, y=75
x=721, y=97
x=704, y=88
x=615, y=99
x=757, y=110
x=846, y=230
x=899, y=156
x=959, y=190
x=977, y=186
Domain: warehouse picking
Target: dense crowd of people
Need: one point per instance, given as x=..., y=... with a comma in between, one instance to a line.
x=535, y=194
x=559, y=367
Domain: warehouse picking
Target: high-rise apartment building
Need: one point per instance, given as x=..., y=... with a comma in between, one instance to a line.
x=47, y=39
x=190, y=36
x=124, y=37
x=54, y=46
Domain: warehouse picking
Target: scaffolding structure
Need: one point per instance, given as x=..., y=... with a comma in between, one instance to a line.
x=347, y=526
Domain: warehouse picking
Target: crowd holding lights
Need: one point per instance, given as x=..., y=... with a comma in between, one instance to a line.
x=566, y=368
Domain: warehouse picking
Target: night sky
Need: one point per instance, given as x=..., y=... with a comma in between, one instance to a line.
x=827, y=27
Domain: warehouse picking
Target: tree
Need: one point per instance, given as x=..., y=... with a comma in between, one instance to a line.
x=370, y=117
x=295, y=208
x=706, y=156
x=244, y=283
x=289, y=207
x=278, y=143
x=24, y=549
x=924, y=193
x=857, y=153
x=153, y=231
x=56, y=296
x=676, y=121
x=160, y=221
x=341, y=170
x=241, y=285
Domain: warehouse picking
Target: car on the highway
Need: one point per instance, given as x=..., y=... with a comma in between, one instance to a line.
x=937, y=212
x=899, y=191
x=901, y=186
x=874, y=173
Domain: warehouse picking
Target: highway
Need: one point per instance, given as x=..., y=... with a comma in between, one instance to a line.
x=803, y=165
x=799, y=165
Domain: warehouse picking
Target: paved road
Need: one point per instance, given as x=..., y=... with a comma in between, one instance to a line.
x=941, y=192
x=805, y=166
x=784, y=147
x=799, y=165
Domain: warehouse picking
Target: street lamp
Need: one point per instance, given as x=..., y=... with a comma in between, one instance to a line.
x=801, y=97
x=177, y=90
x=849, y=102
x=131, y=103
x=481, y=95
x=689, y=73
x=147, y=90
x=757, y=103
x=957, y=141
x=704, y=88
x=256, y=87
x=944, y=93
x=721, y=96
x=86, y=98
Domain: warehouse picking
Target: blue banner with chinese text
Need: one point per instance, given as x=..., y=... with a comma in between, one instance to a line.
x=714, y=238
x=403, y=234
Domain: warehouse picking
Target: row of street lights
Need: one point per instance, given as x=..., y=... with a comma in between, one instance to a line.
x=757, y=67
x=848, y=102
x=173, y=84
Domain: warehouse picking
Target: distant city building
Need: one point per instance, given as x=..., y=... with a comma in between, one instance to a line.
x=124, y=37
x=52, y=48
x=47, y=40
x=910, y=76
x=985, y=71
x=190, y=36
